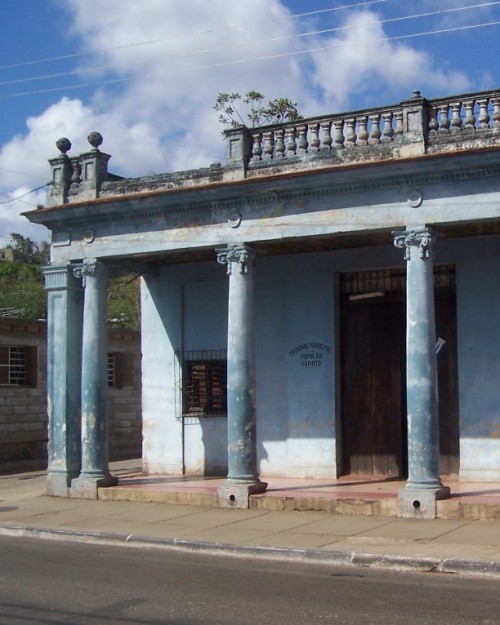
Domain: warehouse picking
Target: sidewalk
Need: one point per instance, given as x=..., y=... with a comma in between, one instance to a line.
x=470, y=547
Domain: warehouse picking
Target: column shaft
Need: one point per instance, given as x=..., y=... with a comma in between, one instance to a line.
x=424, y=485
x=242, y=477
x=95, y=463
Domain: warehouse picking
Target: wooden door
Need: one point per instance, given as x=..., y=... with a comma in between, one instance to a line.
x=373, y=399
x=447, y=372
x=373, y=375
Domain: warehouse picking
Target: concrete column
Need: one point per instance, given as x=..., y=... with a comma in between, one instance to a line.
x=424, y=486
x=64, y=354
x=95, y=467
x=242, y=479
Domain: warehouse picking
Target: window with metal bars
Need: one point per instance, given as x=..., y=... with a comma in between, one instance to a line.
x=18, y=365
x=120, y=369
x=205, y=383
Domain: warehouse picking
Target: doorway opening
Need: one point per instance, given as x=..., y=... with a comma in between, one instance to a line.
x=373, y=371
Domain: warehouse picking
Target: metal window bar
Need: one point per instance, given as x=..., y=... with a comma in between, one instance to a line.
x=205, y=383
x=111, y=369
x=17, y=365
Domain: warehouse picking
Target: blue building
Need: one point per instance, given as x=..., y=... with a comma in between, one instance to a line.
x=324, y=303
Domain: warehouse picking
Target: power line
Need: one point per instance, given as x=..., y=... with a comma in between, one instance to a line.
x=21, y=173
x=246, y=60
x=19, y=198
x=205, y=32
x=253, y=43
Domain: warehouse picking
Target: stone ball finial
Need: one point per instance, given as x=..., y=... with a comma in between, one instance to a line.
x=416, y=94
x=63, y=145
x=95, y=139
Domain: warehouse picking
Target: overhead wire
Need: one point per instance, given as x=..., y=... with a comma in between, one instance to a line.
x=205, y=32
x=256, y=42
x=249, y=60
x=252, y=43
x=20, y=197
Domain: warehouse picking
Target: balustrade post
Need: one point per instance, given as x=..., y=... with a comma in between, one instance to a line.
x=496, y=112
x=303, y=144
x=268, y=143
x=242, y=479
x=291, y=143
x=415, y=126
x=257, y=146
x=470, y=120
x=456, y=120
x=326, y=139
x=339, y=133
x=484, y=118
x=280, y=142
x=315, y=141
x=375, y=133
x=351, y=132
x=363, y=132
x=239, y=152
x=424, y=486
x=387, y=132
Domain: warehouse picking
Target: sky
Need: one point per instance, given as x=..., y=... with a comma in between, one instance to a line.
x=146, y=74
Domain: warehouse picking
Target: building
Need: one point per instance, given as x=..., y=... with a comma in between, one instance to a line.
x=298, y=303
x=23, y=394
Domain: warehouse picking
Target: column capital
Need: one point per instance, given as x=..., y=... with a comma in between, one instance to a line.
x=59, y=277
x=90, y=268
x=421, y=238
x=241, y=255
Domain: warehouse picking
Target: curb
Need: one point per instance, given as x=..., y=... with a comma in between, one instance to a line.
x=313, y=556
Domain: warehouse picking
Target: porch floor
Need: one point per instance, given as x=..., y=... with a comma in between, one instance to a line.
x=346, y=495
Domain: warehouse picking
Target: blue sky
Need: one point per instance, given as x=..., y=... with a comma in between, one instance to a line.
x=146, y=74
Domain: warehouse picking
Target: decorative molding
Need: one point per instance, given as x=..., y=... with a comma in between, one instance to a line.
x=421, y=238
x=89, y=235
x=85, y=270
x=248, y=201
x=234, y=219
x=241, y=255
x=415, y=198
x=57, y=277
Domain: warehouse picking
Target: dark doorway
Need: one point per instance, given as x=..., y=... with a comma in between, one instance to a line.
x=373, y=388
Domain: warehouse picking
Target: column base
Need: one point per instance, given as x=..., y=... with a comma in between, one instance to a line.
x=234, y=494
x=59, y=482
x=419, y=502
x=86, y=486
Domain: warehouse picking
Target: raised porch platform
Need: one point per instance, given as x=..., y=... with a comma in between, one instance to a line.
x=347, y=495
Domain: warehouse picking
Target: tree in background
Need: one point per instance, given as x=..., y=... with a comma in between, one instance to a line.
x=28, y=251
x=124, y=305
x=257, y=113
x=22, y=292
x=23, y=295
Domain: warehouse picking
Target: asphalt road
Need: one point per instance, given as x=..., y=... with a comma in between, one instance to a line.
x=49, y=582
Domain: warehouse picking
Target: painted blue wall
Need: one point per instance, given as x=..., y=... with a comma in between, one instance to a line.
x=478, y=318
x=296, y=322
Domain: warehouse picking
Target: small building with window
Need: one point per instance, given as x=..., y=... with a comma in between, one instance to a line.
x=23, y=394
x=325, y=303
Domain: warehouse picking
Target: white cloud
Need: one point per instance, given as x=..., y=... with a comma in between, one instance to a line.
x=161, y=117
x=11, y=209
x=351, y=67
